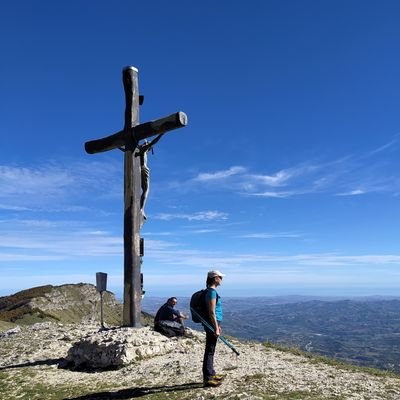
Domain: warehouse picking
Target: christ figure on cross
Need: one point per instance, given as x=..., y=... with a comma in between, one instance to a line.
x=145, y=172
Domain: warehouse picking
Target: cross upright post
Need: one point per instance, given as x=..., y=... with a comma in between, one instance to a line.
x=128, y=140
x=132, y=287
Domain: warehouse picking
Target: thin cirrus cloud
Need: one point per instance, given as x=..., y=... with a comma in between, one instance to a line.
x=351, y=175
x=239, y=177
x=219, y=175
x=18, y=181
x=355, y=192
x=278, y=235
x=34, y=188
x=12, y=207
x=198, y=216
x=41, y=239
x=174, y=255
x=42, y=246
x=278, y=179
x=29, y=242
x=279, y=184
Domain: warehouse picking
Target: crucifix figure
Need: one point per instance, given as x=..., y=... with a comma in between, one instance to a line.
x=136, y=183
x=145, y=171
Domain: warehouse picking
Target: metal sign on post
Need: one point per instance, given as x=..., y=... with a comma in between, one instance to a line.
x=101, y=281
x=101, y=286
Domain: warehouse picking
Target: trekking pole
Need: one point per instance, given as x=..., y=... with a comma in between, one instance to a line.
x=207, y=325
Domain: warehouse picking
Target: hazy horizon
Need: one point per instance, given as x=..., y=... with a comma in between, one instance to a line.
x=272, y=292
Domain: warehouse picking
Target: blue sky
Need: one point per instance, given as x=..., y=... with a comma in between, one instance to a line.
x=286, y=177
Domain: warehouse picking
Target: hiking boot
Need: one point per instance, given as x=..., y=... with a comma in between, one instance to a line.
x=218, y=377
x=211, y=383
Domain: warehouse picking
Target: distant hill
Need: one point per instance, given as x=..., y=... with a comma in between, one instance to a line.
x=69, y=303
x=361, y=332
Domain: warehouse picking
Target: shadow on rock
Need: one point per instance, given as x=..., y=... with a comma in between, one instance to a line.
x=137, y=392
x=33, y=363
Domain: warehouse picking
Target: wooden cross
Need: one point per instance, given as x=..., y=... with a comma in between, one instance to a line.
x=128, y=140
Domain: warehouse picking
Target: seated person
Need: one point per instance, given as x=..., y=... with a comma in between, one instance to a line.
x=168, y=320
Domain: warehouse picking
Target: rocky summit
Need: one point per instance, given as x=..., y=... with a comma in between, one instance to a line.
x=116, y=347
x=55, y=360
x=64, y=303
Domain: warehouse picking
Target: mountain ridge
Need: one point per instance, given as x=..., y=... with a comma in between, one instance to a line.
x=68, y=303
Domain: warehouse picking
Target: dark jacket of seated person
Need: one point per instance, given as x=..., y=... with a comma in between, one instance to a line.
x=168, y=320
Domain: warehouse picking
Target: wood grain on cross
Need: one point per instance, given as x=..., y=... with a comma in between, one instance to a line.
x=128, y=140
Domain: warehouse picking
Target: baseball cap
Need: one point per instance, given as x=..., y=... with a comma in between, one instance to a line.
x=213, y=274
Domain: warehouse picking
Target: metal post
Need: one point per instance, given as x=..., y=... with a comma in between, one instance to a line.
x=101, y=286
x=101, y=310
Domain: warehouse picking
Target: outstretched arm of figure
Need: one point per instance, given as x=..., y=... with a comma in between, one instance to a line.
x=149, y=145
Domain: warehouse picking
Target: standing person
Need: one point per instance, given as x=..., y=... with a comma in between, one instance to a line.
x=214, y=317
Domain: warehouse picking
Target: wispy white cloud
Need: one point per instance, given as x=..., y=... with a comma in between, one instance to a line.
x=181, y=232
x=23, y=240
x=198, y=216
x=280, y=178
x=219, y=175
x=149, y=234
x=202, y=231
x=321, y=259
x=28, y=181
x=277, y=195
x=391, y=144
x=56, y=185
x=288, y=235
x=85, y=245
x=240, y=180
x=168, y=253
x=38, y=223
x=17, y=256
x=355, y=192
x=350, y=175
x=12, y=207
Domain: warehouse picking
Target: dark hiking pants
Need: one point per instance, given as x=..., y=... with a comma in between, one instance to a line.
x=208, y=361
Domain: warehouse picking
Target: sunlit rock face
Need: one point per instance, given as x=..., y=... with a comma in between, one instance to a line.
x=117, y=347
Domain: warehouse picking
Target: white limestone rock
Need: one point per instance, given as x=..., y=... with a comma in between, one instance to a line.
x=11, y=331
x=118, y=347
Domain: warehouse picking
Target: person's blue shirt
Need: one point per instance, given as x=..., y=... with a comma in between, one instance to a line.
x=212, y=294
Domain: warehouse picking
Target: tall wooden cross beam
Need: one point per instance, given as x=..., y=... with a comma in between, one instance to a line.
x=135, y=169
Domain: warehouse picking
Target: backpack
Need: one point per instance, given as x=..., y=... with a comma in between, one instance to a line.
x=198, y=304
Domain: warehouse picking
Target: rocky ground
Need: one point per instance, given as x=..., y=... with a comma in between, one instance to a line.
x=31, y=357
